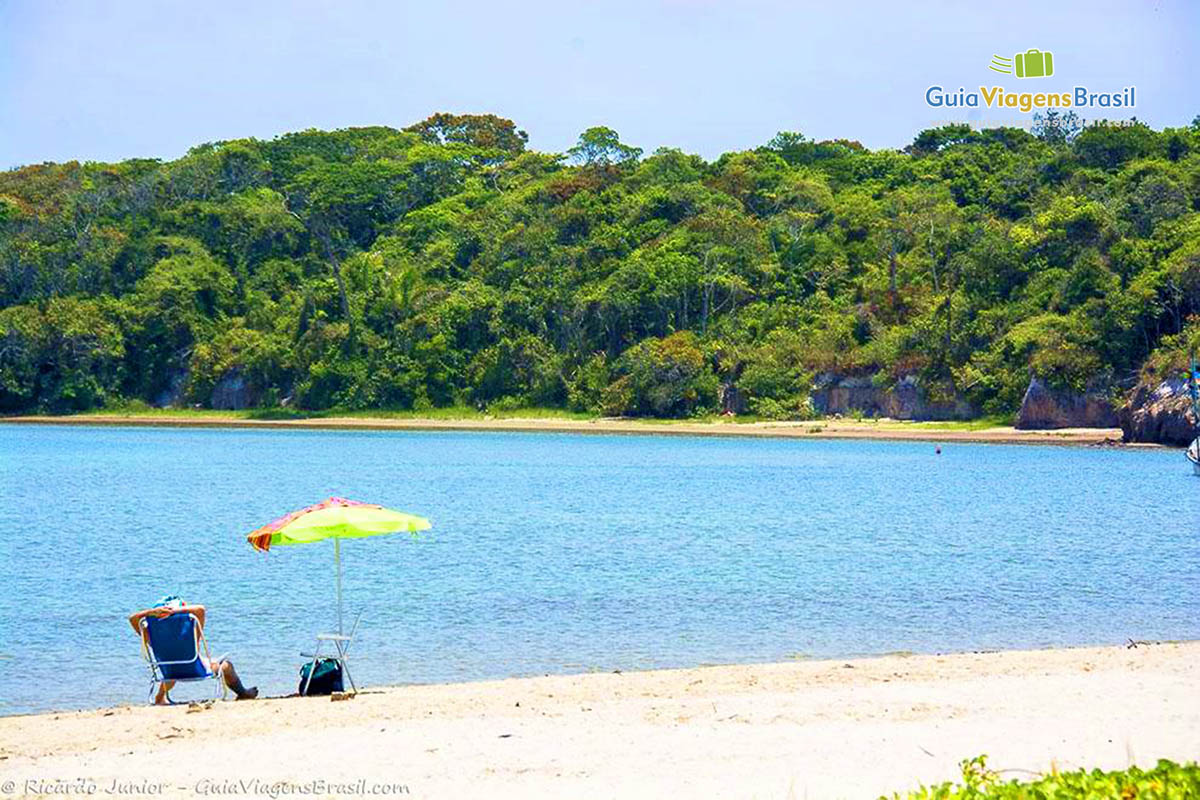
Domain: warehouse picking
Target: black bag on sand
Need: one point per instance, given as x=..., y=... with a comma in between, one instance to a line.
x=326, y=679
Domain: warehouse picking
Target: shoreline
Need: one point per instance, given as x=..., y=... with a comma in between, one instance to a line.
x=883, y=430
x=844, y=727
x=800, y=659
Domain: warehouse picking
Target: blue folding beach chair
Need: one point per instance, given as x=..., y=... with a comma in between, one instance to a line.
x=176, y=649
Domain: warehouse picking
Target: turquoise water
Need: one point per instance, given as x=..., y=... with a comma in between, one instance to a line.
x=567, y=553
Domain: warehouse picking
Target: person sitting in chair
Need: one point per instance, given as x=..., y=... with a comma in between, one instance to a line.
x=223, y=667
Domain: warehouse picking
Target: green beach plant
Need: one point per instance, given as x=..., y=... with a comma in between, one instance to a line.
x=1165, y=781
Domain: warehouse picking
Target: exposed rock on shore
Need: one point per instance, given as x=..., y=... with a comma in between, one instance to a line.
x=1158, y=412
x=1044, y=407
x=233, y=392
x=907, y=399
x=172, y=395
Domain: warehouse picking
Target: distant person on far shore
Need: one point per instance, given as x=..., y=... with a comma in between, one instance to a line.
x=223, y=667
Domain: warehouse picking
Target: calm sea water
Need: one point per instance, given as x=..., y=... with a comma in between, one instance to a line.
x=567, y=553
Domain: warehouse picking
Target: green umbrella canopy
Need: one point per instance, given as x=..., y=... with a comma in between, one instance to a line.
x=337, y=519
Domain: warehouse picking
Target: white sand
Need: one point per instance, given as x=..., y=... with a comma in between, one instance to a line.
x=808, y=729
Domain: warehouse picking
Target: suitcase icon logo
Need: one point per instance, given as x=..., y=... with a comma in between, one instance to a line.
x=1033, y=63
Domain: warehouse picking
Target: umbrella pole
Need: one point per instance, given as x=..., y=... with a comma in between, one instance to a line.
x=337, y=556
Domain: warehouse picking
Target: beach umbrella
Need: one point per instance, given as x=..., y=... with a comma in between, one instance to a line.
x=337, y=519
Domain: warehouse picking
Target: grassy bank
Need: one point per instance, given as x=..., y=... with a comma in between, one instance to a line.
x=140, y=410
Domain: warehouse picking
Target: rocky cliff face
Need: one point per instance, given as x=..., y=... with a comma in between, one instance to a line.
x=1043, y=407
x=1158, y=412
x=834, y=394
x=733, y=401
x=233, y=392
x=172, y=396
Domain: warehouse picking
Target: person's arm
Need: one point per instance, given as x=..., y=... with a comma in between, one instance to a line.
x=135, y=620
x=198, y=611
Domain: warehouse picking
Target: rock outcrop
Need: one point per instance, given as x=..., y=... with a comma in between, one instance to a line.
x=172, y=396
x=1044, y=407
x=1158, y=412
x=907, y=399
x=233, y=392
x=733, y=401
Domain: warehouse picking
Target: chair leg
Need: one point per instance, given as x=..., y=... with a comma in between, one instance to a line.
x=345, y=662
x=312, y=669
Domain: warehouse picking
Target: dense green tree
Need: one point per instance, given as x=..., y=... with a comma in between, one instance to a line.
x=447, y=264
x=663, y=377
x=482, y=131
x=600, y=146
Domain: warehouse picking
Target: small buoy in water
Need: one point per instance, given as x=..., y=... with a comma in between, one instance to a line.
x=938, y=450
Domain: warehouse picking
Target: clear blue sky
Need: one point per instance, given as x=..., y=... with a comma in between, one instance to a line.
x=111, y=80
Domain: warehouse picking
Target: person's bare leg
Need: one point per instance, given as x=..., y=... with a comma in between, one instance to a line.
x=230, y=676
x=161, y=698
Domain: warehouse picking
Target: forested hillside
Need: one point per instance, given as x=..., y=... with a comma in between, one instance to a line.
x=448, y=264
